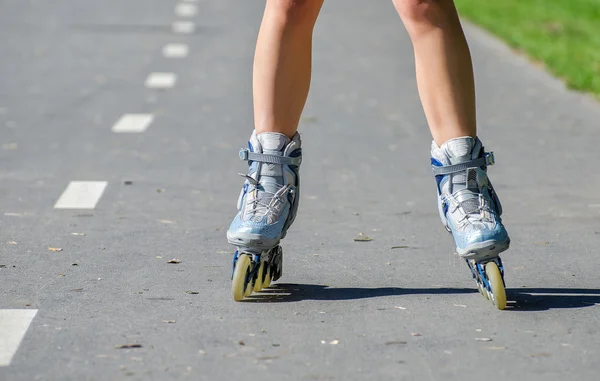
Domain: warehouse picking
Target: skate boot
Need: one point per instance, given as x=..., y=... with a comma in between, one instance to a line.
x=266, y=208
x=470, y=210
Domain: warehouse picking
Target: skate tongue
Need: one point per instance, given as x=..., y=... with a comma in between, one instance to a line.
x=270, y=175
x=272, y=141
x=458, y=150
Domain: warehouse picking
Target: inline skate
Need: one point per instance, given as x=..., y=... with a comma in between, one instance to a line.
x=471, y=211
x=267, y=207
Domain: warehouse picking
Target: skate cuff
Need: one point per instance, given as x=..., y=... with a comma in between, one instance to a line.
x=246, y=155
x=487, y=159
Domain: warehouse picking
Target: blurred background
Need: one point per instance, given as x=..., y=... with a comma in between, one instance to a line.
x=563, y=36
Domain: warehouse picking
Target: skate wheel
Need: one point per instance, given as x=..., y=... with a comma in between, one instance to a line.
x=258, y=283
x=249, y=287
x=480, y=289
x=239, y=281
x=497, y=285
x=267, y=281
x=485, y=292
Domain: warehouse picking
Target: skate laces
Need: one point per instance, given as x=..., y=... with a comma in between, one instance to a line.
x=263, y=201
x=473, y=205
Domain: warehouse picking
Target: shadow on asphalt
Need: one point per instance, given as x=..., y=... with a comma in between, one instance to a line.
x=286, y=292
x=522, y=299
x=541, y=299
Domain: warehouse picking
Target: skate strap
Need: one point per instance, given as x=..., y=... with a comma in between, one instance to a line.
x=246, y=155
x=484, y=161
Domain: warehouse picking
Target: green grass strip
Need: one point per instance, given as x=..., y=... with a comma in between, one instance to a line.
x=563, y=34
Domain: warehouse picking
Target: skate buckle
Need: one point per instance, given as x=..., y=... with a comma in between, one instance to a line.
x=244, y=154
x=247, y=155
x=489, y=158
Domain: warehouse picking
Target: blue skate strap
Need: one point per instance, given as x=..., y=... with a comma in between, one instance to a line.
x=487, y=159
x=246, y=155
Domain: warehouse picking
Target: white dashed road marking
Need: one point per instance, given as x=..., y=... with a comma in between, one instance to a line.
x=133, y=123
x=175, y=50
x=161, y=80
x=183, y=27
x=186, y=10
x=81, y=195
x=13, y=326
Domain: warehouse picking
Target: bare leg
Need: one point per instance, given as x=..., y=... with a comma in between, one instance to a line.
x=282, y=64
x=469, y=207
x=443, y=65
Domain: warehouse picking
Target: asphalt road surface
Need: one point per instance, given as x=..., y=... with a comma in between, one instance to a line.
x=108, y=172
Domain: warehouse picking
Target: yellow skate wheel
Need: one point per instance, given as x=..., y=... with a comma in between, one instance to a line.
x=267, y=281
x=480, y=289
x=249, y=289
x=240, y=275
x=495, y=279
x=258, y=283
x=485, y=292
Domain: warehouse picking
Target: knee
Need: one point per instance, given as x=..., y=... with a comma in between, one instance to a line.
x=297, y=13
x=422, y=15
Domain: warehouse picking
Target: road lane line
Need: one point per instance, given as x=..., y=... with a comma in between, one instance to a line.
x=13, y=326
x=133, y=123
x=81, y=195
x=175, y=50
x=183, y=27
x=186, y=10
x=161, y=80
